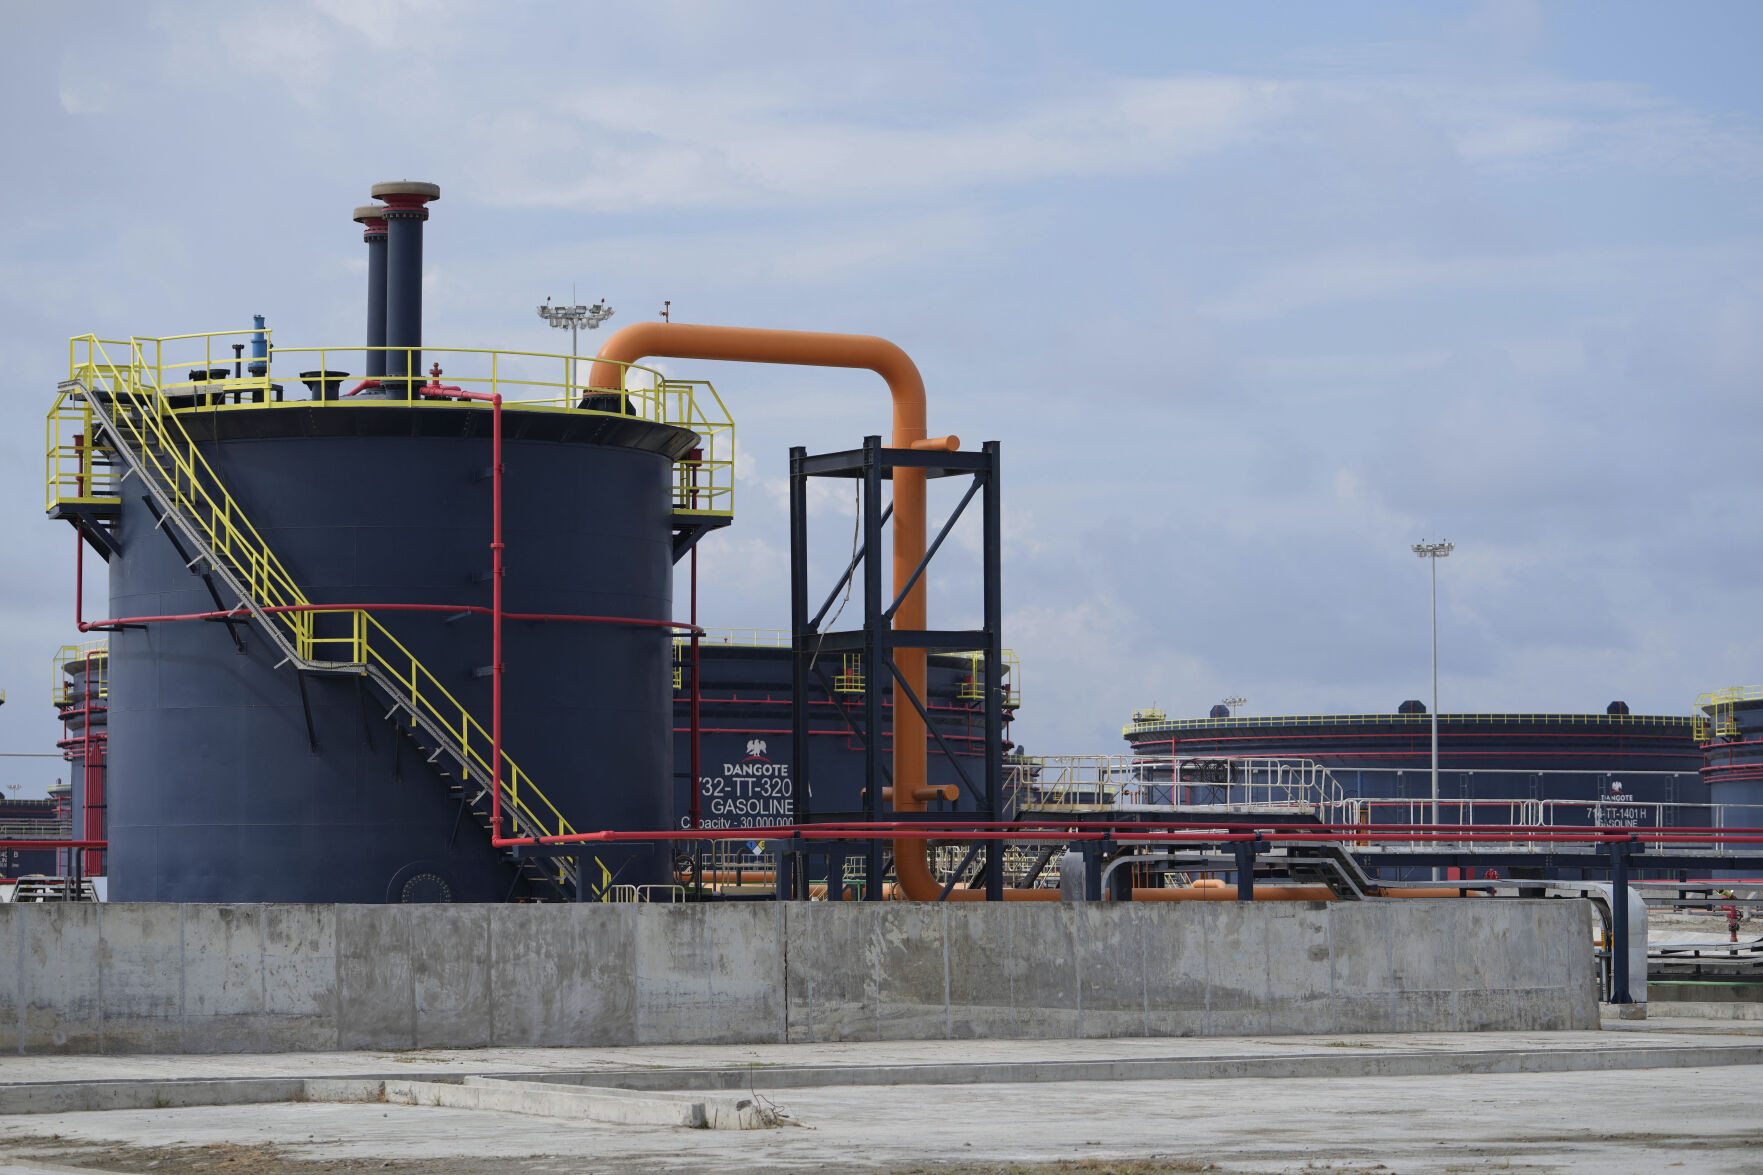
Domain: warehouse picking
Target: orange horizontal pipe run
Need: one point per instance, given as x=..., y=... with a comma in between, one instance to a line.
x=732, y=876
x=924, y=794
x=1228, y=893
x=1274, y=893
x=1010, y=895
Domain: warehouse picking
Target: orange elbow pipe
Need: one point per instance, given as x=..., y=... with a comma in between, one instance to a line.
x=680, y=340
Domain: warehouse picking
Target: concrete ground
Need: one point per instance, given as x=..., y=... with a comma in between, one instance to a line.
x=1619, y=1113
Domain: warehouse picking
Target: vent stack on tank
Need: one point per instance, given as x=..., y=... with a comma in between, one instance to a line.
x=372, y=219
x=405, y=210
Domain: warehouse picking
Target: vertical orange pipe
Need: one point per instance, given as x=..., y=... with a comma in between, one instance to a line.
x=679, y=340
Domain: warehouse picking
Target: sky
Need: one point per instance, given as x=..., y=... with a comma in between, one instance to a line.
x=1254, y=296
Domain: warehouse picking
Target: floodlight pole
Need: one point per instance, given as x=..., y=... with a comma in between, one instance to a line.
x=1434, y=552
x=575, y=318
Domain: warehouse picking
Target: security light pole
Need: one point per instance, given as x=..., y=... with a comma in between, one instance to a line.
x=1435, y=552
x=575, y=319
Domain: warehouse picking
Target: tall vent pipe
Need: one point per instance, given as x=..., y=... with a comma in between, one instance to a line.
x=404, y=215
x=372, y=219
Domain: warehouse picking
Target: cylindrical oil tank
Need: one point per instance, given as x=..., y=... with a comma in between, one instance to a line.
x=745, y=739
x=241, y=779
x=1732, y=759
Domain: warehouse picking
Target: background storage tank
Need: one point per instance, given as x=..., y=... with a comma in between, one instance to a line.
x=81, y=701
x=1577, y=769
x=1729, y=728
x=745, y=729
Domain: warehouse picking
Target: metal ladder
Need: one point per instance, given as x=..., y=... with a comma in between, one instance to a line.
x=153, y=447
x=1330, y=865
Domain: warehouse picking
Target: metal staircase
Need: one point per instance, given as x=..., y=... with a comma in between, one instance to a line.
x=113, y=421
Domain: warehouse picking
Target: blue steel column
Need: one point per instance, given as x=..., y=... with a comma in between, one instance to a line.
x=1619, y=922
x=875, y=673
x=994, y=676
x=372, y=219
x=405, y=213
x=1245, y=855
x=800, y=651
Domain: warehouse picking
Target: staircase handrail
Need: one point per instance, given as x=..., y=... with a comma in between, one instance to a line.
x=266, y=590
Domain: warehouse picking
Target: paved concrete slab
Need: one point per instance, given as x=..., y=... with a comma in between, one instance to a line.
x=594, y=1103
x=492, y=1061
x=1699, y=1122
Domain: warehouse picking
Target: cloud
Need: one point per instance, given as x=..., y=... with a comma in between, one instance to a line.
x=1251, y=307
x=745, y=142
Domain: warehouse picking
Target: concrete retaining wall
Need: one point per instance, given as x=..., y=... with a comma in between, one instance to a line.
x=208, y=978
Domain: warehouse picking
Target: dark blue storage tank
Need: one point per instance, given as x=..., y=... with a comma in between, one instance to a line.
x=1732, y=755
x=745, y=736
x=225, y=791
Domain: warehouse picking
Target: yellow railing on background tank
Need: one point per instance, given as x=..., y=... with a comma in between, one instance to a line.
x=849, y=680
x=751, y=638
x=1714, y=716
x=155, y=434
x=61, y=691
x=740, y=638
x=1141, y=726
x=528, y=381
x=974, y=688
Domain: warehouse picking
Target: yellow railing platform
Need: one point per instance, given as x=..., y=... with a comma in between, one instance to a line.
x=61, y=691
x=159, y=372
x=1714, y=711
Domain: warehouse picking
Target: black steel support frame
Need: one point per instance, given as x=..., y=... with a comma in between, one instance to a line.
x=876, y=640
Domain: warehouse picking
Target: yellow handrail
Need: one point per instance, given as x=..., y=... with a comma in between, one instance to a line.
x=61, y=691
x=1714, y=711
x=973, y=689
x=141, y=419
x=530, y=381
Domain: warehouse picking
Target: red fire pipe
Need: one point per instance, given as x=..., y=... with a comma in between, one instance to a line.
x=55, y=844
x=94, y=863
x=918, y=832
x=281, y=609
x=1121, y=831
x=697, y=456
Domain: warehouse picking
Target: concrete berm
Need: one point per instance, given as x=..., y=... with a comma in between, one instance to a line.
x=150, y=978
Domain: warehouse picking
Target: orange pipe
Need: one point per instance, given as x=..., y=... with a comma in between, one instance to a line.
x=1220, y=892
x=1228, y=893
x=732, y=876
x=679, y=340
